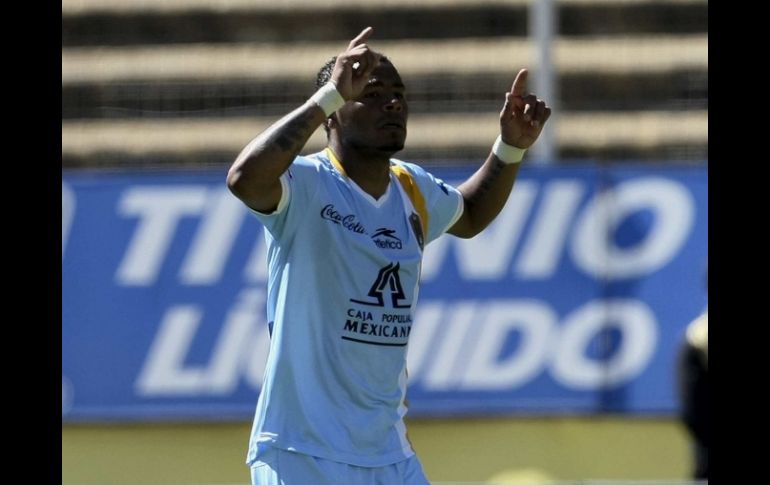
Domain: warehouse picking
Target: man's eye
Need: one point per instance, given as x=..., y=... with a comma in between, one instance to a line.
x=372, y=94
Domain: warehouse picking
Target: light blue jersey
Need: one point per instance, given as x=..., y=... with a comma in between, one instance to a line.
x=343, y=283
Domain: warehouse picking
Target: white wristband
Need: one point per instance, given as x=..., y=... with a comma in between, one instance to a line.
x=507, y=153
x=328, y=98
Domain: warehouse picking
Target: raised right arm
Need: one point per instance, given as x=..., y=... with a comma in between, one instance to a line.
x=255, y=175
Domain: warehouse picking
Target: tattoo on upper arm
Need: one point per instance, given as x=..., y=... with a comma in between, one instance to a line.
x=485, y=184
x=289, y=136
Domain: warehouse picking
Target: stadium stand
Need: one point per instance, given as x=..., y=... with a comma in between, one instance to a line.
x=190, y=82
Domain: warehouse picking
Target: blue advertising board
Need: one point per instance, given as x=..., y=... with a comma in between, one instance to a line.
x=574, y=300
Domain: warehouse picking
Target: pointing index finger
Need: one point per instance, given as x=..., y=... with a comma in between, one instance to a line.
x=519, y=83
x=361, y=38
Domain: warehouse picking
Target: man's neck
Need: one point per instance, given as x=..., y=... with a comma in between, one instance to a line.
x=369, y=169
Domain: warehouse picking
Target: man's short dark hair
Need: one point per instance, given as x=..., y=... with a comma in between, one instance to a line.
x=325, y=73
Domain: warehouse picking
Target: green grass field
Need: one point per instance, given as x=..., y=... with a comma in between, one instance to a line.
x=475, y=450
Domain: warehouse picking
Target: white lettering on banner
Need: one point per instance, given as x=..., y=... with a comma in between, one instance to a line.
x=632, y=318
x=460, y=347
x=213, y=242
x=68, y=204
x=240, y=339
x=454, y=337
x=557, y=222
x=164, y=372
x=540, y=257
x=534, y=321
x=240, y=350
x=454, y=347
x=594, y=248
x=488, y=255
x=159, y=210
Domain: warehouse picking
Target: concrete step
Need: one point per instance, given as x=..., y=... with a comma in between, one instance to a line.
x=471, y=93
x=301, y=61
x=433, y=137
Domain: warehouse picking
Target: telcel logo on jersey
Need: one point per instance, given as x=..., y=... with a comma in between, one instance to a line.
x=349, y=221
x=386, y=238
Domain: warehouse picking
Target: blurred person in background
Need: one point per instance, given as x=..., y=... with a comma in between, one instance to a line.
x=694, y=390
x=346, y=228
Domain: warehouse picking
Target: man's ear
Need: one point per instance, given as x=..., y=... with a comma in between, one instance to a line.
x=330, y=122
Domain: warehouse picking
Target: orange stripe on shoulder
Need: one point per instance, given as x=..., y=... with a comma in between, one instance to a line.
x=414, y=193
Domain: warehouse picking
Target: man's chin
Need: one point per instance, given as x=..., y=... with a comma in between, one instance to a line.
x=391, y=147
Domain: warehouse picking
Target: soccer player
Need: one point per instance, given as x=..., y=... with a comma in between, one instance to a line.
x=346, y=228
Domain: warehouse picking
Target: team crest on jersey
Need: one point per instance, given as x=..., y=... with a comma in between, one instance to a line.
x=386, y=238
x=387, y=281
x=414, y=221
x=380, y=326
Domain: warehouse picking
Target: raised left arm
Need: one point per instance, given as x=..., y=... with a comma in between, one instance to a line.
x=486, y=191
